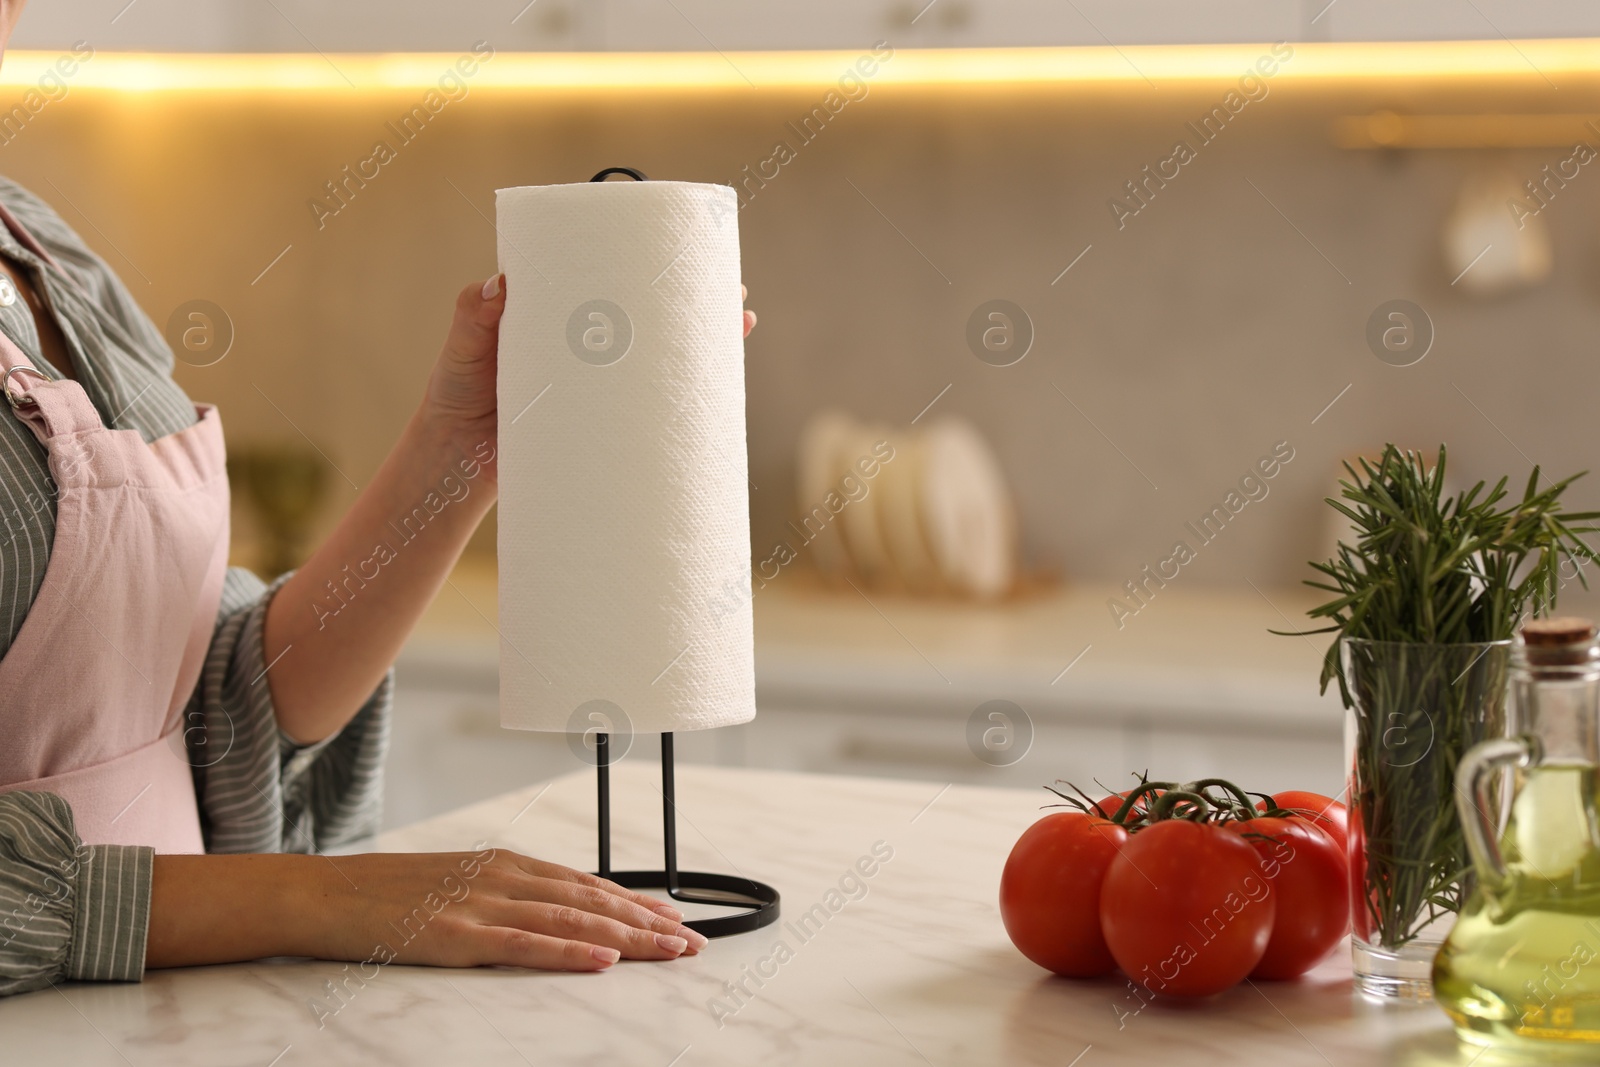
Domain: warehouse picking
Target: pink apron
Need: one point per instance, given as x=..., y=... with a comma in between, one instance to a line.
x=93, y=688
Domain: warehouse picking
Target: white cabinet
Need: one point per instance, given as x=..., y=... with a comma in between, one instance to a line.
x=1385, y=20
x=876, y=743
x=448, y=750
x=733, y=25
x=315, y=26
x=146, y=25
x=446, y=747
x=1201, y=690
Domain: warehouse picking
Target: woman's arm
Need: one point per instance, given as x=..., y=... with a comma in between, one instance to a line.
x=448, y=909
x=107, y=912
x=334, y=628
x=329, y=636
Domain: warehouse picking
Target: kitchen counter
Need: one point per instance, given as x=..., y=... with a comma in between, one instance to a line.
x=915, y=972
x=1202, y=653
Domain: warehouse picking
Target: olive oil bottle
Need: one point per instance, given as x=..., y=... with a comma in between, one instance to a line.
x=1521, y=968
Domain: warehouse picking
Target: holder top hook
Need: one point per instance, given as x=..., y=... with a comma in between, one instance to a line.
x=636, y=175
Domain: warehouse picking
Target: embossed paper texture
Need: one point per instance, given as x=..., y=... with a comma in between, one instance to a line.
x=624, y=539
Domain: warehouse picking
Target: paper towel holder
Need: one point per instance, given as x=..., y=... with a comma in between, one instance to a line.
x=632, y=172
x=758, y=900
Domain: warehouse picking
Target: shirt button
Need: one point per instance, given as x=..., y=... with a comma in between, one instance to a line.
x=8, y=292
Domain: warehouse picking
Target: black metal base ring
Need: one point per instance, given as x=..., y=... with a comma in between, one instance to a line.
x=758, y=900
x=722, y=890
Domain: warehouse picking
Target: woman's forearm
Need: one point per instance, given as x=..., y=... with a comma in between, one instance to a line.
x=223, y=909
x=334, y=628
x=452, y=909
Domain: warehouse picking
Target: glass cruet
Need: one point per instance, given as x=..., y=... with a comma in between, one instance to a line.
x=1521, y=968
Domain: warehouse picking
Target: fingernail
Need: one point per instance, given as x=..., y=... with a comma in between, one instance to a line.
x=670, y=912
x=695, y=938
x=668, y=943
x=491, y=288
x=752, y=315
x=607, y=956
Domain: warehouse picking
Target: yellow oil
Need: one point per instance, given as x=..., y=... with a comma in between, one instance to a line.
x=1522, y=965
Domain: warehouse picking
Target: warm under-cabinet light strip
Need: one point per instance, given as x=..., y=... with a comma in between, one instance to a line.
x=1387, y=61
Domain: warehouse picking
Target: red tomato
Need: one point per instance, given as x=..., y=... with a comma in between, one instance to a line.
x=1324, y=811
x=1306, y=869
x=1186, y=908
x=1050, y=892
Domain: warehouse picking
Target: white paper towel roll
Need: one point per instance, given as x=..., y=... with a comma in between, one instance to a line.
x=624, y=528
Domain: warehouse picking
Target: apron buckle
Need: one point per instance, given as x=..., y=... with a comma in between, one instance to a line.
x=19, y=400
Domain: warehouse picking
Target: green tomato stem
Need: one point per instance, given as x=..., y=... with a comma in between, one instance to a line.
x=1198, y=806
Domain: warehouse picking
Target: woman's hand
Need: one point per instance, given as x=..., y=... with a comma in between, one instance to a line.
x=460, y=400
x=749, y=316
x=449, y=909
x=461, y=392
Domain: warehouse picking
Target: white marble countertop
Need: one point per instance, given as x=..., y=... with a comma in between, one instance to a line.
x=918, y=972
x=1192, y=654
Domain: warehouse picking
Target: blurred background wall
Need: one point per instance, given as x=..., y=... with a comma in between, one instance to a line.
x=1221, y=319
x=1221, y=313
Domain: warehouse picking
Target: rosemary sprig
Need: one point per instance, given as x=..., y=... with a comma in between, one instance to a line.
x=1443, y=570
x=1430, y=570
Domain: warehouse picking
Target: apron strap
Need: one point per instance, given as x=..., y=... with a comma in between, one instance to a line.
x=49, y=407
x=26, y=239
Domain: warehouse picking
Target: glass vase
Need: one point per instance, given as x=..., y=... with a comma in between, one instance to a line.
x=1413, y=710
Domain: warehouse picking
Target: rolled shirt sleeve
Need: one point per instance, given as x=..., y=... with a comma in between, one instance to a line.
x=70, y=910
x=258, y=791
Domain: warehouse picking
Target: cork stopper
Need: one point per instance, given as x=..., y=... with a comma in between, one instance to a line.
x=1560, y=641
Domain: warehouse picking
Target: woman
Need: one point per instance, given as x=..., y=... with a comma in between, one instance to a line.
x=178, y=735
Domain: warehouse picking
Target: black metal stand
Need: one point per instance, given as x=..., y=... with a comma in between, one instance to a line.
x=759, y=900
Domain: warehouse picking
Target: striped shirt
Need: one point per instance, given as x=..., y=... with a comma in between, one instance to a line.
x=74, y=911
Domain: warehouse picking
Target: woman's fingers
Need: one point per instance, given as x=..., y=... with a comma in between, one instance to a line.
x=553, y=883
x=575, y=924
x=541, y=869
x=511, y=947
x=597, y=901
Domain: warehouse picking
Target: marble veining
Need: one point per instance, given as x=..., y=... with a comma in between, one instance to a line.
x=906, y=966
